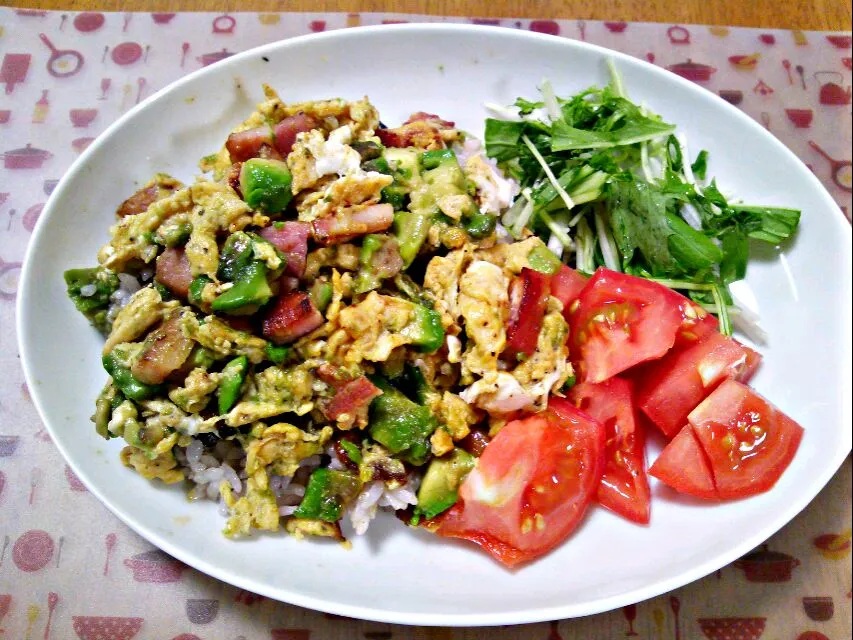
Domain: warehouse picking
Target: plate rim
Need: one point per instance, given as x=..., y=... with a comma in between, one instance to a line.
x=376, y=614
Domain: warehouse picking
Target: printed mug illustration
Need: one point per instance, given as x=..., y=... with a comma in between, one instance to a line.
x=693, y=71
x=819, y=608
x=732, y=628
x=202, y=611
x=106, y=628
x=155, y=566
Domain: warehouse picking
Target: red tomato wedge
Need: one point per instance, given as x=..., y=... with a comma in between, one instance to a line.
x=566, y=285
x=684, y=466
x=670, y=388
x=748, y=441
x=531, y=485
x=696, y=324
x=624, y=487
x=621, y=320
x=528, y=298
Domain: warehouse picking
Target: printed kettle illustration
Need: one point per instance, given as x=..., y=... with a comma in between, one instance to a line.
x=833, y=93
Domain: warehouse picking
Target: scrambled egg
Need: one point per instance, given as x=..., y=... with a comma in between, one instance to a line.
x=274, y=391
x=255, y=510
x=216, y=335
x=217, y=208
x=131, y=236
x=484, y=304
x=442, y=282
x=164, y=467
x=377, y=325
x=196, y=392
x=341, y=194
x=144, y=309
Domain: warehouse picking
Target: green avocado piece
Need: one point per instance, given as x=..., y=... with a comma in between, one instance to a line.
x=99, y=284
x=233, y=376
x=400, y=425
x=126, y=381
x=440, y=485
x=327, y=493
x=425, y=329
x=250, y=291
x=236, y=254
x=265, y=184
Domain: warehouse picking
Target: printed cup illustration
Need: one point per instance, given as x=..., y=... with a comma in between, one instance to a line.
x=693, y=71
x=840, y=41
x=812, y=635
x=802, y=118
x=732, y=628
x=106, y=627
x=616, y=27
x=202, y=611
x=73, y=480
x=317, y=25
x=82, y=117
x=732, y=96
x=545, y=26
x=211, y=58
x=155, y=566
x=5, y=115
x=162, y=18
x=8, y=445
x=79, y=144
x=820, y=608
x=33, y=550
x=48, y=186
x=767, y=38
x=767, y=566
x=28, y=157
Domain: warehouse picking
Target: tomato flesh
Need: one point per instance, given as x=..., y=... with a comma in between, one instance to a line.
x=748, y=441
x=621, y=320
x=531, y=486
x=684, y=466
x=566, y=286
x=624, y=487
x=670, y=388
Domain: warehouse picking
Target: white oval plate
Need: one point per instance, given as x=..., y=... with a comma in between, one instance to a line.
x=393, y=573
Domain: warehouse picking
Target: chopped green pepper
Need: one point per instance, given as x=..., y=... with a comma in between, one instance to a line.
x=172, y=233
x=327, y=493
x=125, y=380
x=265, y=184
x=368, y=150
x=399, y=424
x=90, y=291
x=233, y=376
x=352, y=450
x=197, y=288
x=250, y=291
x=437, y=157
x=276, y=354
x=395, y=195
x=425, y=329
x=200, y=358
x=320, y=294
x=380, y=165
x=109, y=398
x=481, y=225
x=411, y=230
x=379, y=259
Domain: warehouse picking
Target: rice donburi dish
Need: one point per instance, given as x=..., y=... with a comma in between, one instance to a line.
x=332, y=321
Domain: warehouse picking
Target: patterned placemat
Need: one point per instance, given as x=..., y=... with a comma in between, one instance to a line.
x=69, y=569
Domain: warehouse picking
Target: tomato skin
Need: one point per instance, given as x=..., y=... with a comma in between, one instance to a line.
x=532, y=485
x=684, y=466
x=670, y=388
x=696, y=324
x=566, y=286
x=748, y=441
x=624, y=487
x=620, y=321
x=528, y=295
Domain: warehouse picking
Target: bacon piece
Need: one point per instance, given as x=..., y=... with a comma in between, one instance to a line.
x=423, y=115
x=351, y=398
x=173, y=272
x=425, y=132
x=291, y=238
x=287, y=130
x=233, y=177
x=164, y=351
x=348, y=223
x=245, y=145
x=528, y=297
x=159, y=188
x=292, y=316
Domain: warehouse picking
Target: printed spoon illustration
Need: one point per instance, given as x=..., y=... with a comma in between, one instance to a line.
x=185, y=49
x=140, y=83
x=106, y=51
x=802, y=73
x=59, y=550
x=62, y=21
x=52, y=600
x=111, y=543
x=3, y=553
x=787, y=64
x=675, y=605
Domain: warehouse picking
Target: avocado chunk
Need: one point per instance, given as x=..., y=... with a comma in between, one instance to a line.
x=235, y=256
x=249, y=292
x=379, y=259
x=173, y=233
x=233, y=376
x=115, y=364
x=425, y=329
x=265, y=184
x=327, y=493
x=400, y=425
x=90, y=291
x=439, y=488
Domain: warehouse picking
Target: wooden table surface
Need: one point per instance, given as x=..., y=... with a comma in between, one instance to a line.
x=828, y=15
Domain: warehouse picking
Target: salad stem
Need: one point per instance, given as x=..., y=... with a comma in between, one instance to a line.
x=547, y=170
